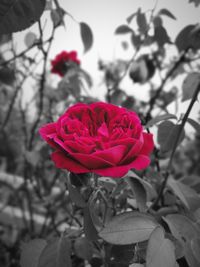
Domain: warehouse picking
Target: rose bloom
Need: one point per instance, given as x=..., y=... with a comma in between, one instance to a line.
x=99, y=138
x=63, y=62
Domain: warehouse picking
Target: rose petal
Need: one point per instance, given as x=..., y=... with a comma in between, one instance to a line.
x=139, y=163
x=91, y=162
x=48, y=132
x=63, y=162
x=113, y=154
x=76, y=147
x=133, y=152
x=148, y=145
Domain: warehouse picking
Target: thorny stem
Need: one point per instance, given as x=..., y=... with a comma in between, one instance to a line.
x=169, y=166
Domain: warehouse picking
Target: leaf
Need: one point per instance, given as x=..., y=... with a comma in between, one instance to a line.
x=189, y=255
x=86, y=36
x=31, y=252
x=194, y=124
x=150, y=191
x=130, y=18
x=48, y=5
x=5, y=38
x=161, y=36
x=182, y=228
x=167, y=135
x=167, y=13
x=89, y=229
x=19, y=15
x=160, y=251
x=182, y=191
x=159, y=119
x=83, y=248
x=135, y=40
x=57, y=16
x=30, y=39
x=75, y=195
x=7, y=75
x=141, y=21
x=188, y=39
x=195, y=246
x=196, y=2
x=139, y=192
x=122, y=29
x=190, y=84
x=128, y=228
x=56, y=253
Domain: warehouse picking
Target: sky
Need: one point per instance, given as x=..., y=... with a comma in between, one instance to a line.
x=103, y=16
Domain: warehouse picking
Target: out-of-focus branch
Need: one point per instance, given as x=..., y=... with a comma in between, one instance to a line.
x=42, y=85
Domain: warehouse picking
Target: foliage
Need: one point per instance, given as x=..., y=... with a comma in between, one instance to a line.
x=51, y=217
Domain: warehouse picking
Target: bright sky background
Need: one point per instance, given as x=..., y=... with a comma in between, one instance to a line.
x=104, y=16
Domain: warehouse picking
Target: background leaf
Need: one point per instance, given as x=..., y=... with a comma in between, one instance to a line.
x=19, y=15
x=159, y=119
x=167, y=13
x=187, y=39
x=122, y=29
x=190, y=84
x=167, y=134
x=86, y=35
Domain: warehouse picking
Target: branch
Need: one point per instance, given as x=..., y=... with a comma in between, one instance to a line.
x=169, y=166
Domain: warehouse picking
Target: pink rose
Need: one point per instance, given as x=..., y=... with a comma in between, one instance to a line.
x=63, y=62
x=99, y=138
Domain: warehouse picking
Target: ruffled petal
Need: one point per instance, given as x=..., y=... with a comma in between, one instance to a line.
x=148, y=144
x=63, y=162
x=141, y=162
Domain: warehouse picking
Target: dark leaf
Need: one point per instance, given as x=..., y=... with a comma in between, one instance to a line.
x=183, y=192
x=139, y=192
x=141, y=22
x=31, y=251
x=57, y=253
x=130, y=18
x=182, y=228
x=135, y=40
x=7, y=75
x=122, y=29
x=167, y=13
x=195, y=246
x=75, y=195
x=160, y=251
x=19, y=15
x=128, y=228
x=89, y=229
x=161, y=36
x=190, y=84
x=194, y=124
x=83, y=248
x=159, y=119
x=167, y=135
x=188, y=38
x=57, y=16
x=196, y=2
x=86, y=36
x=5, y=38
